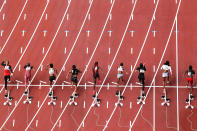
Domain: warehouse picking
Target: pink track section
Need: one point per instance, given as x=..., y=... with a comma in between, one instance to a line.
x=165, y=118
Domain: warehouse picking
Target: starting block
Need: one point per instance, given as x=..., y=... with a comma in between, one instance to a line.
x=53, y=98
x=8, y=99
x=72, y=99
x=28, y=98
x=97, y=101
x=188, y=101
x=166, y=100
x=140, y=99
x=120, y=98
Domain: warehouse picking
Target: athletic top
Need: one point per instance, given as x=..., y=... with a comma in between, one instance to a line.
x=120, y=69
x=166, y=68
x=141, y=69
x=7, y=69
x=190, y=73
x=95, y=70
x=75, y=72
x=28, y=70
x=51, y=71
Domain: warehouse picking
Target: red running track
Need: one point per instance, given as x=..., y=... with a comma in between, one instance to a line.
x=59, y=46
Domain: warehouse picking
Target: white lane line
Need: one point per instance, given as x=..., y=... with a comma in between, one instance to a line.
x=25, y=16
x=23, y=33
x=148, y=31
x=14, y=26
x=120, y=45
x=4, y=2
x=87, y=64
x=20, y=60
x=158, y=65
x=132, y=31
x=154, y=105
x=177, y=74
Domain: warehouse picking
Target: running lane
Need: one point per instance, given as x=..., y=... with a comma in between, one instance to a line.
x=187, y=54
x=152, y=115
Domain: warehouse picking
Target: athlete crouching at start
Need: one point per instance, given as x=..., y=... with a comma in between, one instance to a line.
x=28, y=69
x=189, y=77
x=166, y=68
x=74, y=73
x=7, y=73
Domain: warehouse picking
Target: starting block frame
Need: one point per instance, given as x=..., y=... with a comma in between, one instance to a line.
x=97, y=101
x=53, y=98
x=120, y=98
x=166, y=100
x=28, y=98
x=188, y=102
x=8, y=100
x=72, y=99
x=141, y=98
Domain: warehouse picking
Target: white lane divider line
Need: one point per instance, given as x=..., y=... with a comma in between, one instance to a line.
x=107, y=104
x=132, y=17
x=4, y=2
x=44, y=32
x=65, y=51
x=109, y=51
x=66, y=31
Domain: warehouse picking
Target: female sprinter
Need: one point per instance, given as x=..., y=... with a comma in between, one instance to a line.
x=74, y=73
x=166, y=68
x=189, y=77
x=52, y=76
x=28, y=69
x=7, y=73
x=95, y=70
x=141, y=75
